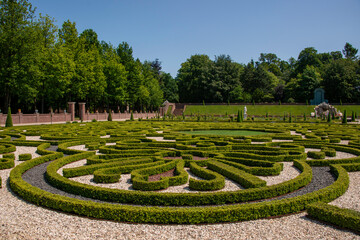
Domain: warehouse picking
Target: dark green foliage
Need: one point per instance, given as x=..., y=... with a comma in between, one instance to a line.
x=238, y=118
x=131, y=116
x=25, y=157
x=344, y=118
x=213, y=181
x=329, y=152
x=244, y=179
x=329, y=118
x=316, y=155
x=334, y=215
x=9, y=122
x=353, y=116
x=109, y=116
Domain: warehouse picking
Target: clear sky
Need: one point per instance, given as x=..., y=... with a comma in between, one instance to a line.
x=173, y=30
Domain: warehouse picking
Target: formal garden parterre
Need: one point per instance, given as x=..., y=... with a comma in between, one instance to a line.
x=157, y=156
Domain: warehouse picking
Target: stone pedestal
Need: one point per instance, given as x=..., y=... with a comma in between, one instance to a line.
x=82, y=111
x=72, y=110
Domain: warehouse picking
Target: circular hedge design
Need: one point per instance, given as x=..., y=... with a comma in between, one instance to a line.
x=159, y=155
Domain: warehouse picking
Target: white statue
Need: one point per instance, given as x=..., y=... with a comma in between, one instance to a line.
x=245, y=112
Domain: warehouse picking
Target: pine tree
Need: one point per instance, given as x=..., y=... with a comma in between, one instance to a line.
x=238, y=117
x=344, y=118
x=304, y=117
x=329, y=118
x=9, y=122
x=109, y=116
x=131, y=116
x=290, y=119
x=353, y=116
x=241, y=116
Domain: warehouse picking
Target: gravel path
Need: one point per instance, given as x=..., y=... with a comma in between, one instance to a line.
x=161, y=139
x=351, y=198
x=289, y=172
x=33, y=138
x=339, y=155
x=35, y=176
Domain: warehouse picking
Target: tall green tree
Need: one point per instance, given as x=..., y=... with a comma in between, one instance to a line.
x=169, y=87
x=308, y=81
x=16, y=48
x=307, y=57
x=193, y=79
x=341, y=81
x=349, y=51
x=115, y=76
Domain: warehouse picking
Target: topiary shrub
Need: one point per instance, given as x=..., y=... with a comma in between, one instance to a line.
x=131, y=116
x=9, y=122
x=344, y=118
x=109, y=116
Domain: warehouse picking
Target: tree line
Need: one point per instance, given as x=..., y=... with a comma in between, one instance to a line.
x=271, y=79
x=42, y=67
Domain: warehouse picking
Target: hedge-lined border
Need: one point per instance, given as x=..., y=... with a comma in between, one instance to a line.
x=341, y=217
x=192, y=199
x=126, y=213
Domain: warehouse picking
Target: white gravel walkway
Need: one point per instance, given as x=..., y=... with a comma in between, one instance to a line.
x=289, y=172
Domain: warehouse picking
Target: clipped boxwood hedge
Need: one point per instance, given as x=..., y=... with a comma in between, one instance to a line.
x=332, y=214
x=128, y=213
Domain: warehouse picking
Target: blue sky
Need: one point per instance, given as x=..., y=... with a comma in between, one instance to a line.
x=172, y=30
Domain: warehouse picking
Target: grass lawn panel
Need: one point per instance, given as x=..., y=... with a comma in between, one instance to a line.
x=225, y=132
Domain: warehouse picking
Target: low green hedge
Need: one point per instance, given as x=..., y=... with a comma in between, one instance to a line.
x=7, y=148
x=243, y=178
x=316, y=155
x=113, y=174
x=339, y=216
x=25, y=157
x=6, y=162
x=90, y=169
x=329, y=152
x=213, y=181
x=140, y=181
x=163, y=215
x=149, y=198
x=274, y=170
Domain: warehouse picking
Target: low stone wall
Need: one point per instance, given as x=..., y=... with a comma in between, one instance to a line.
x=35, y=118
x=116, y=116
x=20, y=118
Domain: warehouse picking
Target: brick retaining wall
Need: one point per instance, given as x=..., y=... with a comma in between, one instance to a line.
x=21, y=118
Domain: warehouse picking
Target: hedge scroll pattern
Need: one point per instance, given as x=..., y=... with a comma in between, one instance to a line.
x=116, y=148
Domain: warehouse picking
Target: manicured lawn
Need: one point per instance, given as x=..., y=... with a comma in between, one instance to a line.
x=225, y=132
x=261, y=110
